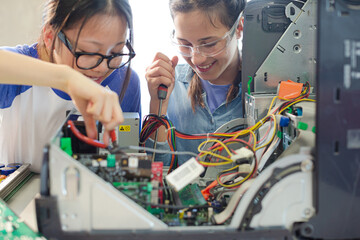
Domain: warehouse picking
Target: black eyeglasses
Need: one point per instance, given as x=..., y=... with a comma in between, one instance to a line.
x=86, y=60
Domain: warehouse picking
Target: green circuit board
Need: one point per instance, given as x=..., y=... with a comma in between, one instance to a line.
x=12, y=227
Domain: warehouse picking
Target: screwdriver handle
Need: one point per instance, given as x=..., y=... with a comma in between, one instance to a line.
x=162, y=91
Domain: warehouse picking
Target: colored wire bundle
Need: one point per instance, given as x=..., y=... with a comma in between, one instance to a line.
x=151, y=123
x=289, y=102
x=218, y=145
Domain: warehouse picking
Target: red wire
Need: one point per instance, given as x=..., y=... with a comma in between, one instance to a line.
x=113, y=136
x=84, y=138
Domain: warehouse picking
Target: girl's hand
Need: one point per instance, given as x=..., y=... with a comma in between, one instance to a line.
x=95, y=103
x=92, y=100
x=161, y=71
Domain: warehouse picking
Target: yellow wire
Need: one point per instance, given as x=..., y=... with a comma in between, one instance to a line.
x=228, y=160
x=301, y=100
x=285, y=99
x=234, y=184
x=216, y=141
x=261, y=121
x=244, y=132
x=256, y=127
x=215, y=164
x=241, y=133
x=271, y=105
x=223, y=134
x=230, y=169
x=273, y=135
x=252, y=134
x=251, y=131
x=205, y=152
x=255, y=140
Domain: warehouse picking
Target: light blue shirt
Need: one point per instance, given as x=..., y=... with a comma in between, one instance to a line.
x=201, y=121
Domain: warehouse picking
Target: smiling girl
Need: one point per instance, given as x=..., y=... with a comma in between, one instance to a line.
x=205, y=93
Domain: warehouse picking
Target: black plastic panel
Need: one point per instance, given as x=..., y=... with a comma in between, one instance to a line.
x=338, y=123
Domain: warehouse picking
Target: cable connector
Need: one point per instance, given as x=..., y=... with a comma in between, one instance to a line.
x=185, y=174
x=242, y=155
x=206, y=192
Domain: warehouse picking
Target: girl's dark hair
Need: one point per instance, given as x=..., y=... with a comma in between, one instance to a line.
x=63, y=14
x=228, y=12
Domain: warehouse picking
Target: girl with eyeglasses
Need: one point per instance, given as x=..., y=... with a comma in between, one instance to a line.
x=90, y=44
x=205, y=93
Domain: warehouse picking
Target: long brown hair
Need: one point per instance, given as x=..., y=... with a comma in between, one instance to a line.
x=228, y=11
x=63, y=14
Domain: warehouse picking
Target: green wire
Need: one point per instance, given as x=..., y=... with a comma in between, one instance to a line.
x=249, y=82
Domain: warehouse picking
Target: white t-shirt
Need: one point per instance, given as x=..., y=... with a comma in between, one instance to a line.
x=29, y=123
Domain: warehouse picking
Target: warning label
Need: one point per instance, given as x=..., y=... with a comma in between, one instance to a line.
x=124, y=128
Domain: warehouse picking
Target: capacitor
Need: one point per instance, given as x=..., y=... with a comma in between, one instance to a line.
x=216, y=206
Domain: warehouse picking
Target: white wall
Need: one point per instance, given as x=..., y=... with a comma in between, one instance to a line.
x=152, y=29
x=20, y=21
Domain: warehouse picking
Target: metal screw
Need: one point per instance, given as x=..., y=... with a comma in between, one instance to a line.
x=308, y=212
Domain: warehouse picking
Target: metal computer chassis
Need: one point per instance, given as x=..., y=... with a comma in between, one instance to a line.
x=75, y=203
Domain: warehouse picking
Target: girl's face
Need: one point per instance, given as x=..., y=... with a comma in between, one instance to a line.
x=102, y=34
x=194, y=29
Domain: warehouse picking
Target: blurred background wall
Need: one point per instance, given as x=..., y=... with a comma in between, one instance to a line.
x=20, y=21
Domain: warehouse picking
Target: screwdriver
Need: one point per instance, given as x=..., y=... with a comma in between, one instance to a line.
x=162, y=92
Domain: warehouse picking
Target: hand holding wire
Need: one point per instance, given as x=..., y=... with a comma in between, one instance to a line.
x=91, y=141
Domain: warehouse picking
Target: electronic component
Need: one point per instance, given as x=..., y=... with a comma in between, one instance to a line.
x=185, y=174
x=12, y=227
x=128, y=132
x=272, y=195
x=191, y=196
